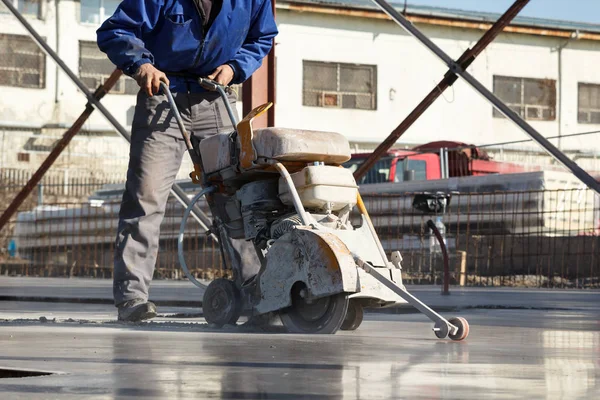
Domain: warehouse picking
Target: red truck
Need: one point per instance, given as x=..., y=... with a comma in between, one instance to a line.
x=435, y=160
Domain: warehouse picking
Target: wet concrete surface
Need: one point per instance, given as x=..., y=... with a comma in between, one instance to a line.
x=510, y=354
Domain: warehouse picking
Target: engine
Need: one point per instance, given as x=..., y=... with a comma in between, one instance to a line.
x=260, y=206
x=264, y=208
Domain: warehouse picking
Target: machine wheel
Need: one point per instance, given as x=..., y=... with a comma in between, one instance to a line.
x=222, y=303
x=354, y=316
x=463, y=328
x=323, y=316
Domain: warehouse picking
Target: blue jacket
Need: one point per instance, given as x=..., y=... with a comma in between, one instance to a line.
x=169, y=34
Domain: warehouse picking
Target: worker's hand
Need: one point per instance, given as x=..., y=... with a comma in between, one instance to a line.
x=222, y=75
x=149, y=78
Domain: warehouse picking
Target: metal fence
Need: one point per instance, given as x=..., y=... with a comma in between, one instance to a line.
x=534, y=239
x=56, y=186
x=547, y=238
x=77, y=239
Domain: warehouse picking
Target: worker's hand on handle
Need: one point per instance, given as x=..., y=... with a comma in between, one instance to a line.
x=149, y=78
x=223, y=75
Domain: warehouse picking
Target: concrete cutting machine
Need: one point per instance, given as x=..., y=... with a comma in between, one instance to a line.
x=284, y=191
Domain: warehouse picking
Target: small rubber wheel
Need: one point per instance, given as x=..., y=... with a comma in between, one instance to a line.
x=354, y=316
x=463, y=328
x=222, y=303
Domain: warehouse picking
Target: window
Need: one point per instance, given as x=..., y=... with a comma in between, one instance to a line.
x=379, y=173
x=95, y=68
x=589, y=104
x=532, y=99
x=96, y=11
x=418, y=166
x=25, y=7
x=22, y=63
x=23, y=157
x=338, y=85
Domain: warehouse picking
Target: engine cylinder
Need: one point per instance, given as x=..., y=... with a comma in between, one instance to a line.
x=259, y=200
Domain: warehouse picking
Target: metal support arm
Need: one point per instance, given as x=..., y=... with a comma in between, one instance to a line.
x=440, y=322
x=449, y=79
x=583, y=176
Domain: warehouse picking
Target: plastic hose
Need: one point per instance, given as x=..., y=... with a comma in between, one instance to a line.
x=180, y=254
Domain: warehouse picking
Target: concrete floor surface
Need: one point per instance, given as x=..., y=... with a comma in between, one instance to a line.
x=510, y=354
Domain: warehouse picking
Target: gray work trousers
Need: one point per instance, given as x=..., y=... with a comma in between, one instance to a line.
x=155, y=157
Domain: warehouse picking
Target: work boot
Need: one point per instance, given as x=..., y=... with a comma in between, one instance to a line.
x=136, y=310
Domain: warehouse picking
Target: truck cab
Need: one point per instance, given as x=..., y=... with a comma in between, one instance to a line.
x=431, y=161
x=397, y=166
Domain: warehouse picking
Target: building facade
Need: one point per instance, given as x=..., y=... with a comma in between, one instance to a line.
x=341, y=65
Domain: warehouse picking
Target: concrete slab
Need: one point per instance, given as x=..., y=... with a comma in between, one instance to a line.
x=183, y=293
x=509, y=354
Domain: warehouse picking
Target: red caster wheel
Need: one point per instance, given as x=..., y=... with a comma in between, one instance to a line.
x=463, y=328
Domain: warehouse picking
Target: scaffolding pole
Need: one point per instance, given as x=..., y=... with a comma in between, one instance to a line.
x=457, y=69
x=465, y=60
x=57, y=150
x=176, y=191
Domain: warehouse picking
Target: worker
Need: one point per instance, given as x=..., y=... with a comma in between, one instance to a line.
x=173, y=41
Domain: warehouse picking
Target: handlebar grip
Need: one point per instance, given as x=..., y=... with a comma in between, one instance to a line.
x=209, y=84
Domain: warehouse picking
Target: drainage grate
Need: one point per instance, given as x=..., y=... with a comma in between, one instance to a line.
x=21, y=373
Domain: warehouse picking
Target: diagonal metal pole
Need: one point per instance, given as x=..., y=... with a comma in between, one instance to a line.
x=582, y=175
x=57, y=150
x=465, y=60
x=177, y=192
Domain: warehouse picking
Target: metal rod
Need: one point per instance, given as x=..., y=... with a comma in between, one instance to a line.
x=440, y=239
x=295, y=197
x=465, y=60
x=271, y=77
x=177, y=114
x=180, y=237
x=57, y=150
x=215, y=86
x=446, y=174
x=582, y=175
x=409, y=298
x=179, y=194
x=230, y=112
x=442, y=172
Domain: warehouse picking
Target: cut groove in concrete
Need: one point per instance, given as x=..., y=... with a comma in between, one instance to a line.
x=21, y=373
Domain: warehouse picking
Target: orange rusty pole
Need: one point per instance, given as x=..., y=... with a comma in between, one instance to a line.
x=57, y=150
x=464, y=61
x=260, y=88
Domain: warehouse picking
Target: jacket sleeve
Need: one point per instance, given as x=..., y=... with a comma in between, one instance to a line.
x=121, y=36
x=257, y=45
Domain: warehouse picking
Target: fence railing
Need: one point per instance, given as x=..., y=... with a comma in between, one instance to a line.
x=545, y=238
x=56, y=183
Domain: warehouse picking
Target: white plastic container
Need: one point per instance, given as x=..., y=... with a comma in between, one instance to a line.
x=319, y=185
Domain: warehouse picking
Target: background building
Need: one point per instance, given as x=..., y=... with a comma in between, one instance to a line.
x=341, y=66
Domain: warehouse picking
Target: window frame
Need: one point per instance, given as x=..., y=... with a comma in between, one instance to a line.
x=121, y=85
x=339, y=93
x=588, y=110
x=525, y=107
x=15, y=4
x=23, y=156
x=102, y=14
x=384, y=163
x=42, y=65
x=405, y=163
